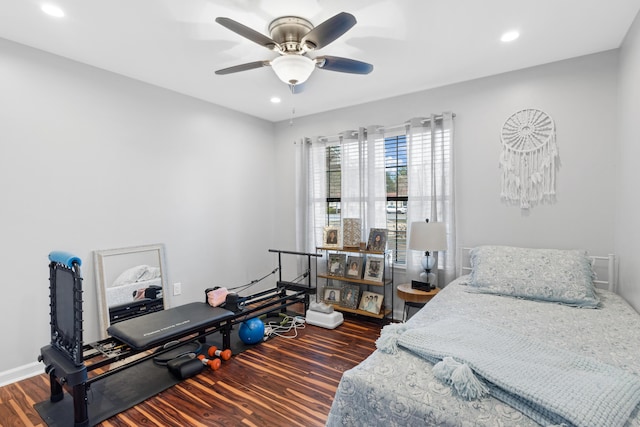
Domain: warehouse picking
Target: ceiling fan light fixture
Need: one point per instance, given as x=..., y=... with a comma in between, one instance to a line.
x=293, y=69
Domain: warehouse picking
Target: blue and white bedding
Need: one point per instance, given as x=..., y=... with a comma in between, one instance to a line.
x=401, y=390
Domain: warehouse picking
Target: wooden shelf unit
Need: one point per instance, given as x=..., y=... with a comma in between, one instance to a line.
x=383, y=313
x=386, y=309
x=358, y=281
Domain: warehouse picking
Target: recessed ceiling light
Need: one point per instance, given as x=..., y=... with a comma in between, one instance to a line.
x=52, y=10
x=509, y=36
x=275, y=100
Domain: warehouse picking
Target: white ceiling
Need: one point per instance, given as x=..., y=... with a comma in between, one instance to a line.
x=413, y=44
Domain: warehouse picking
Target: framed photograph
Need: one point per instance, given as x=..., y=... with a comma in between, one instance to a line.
x=331, y=295
x=349, y=297
x=353, y=269
x=331, y=237
x=351, y=232
x=377, y=240
x=371, y=302
x=337, y=264
x=374, y=269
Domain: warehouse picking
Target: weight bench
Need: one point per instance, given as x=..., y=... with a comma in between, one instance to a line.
x=68, y=361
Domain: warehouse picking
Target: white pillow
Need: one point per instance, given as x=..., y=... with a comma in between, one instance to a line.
x=556, y=275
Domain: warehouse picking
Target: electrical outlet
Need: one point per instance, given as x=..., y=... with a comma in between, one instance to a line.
x=177, y=288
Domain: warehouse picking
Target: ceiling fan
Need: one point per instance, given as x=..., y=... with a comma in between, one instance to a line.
x=293, y=37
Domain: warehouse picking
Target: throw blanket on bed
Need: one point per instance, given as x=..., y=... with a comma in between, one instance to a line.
x=550, y=385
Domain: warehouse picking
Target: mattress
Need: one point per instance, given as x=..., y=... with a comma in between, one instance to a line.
x=400, y=389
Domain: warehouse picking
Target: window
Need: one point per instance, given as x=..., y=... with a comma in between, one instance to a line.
x=334, y=184
x=388, y=177
x=395, y=163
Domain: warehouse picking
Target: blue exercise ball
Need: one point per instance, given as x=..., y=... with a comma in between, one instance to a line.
x=251, y=331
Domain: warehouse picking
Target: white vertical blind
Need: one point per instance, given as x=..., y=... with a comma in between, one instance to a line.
x=376, y=191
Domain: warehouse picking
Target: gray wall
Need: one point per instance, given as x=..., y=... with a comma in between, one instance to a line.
x=581, y=96
x=92, y=160
x=627, y=190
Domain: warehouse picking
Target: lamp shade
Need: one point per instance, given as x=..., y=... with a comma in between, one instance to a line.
x=293, y=69
x=428, y=236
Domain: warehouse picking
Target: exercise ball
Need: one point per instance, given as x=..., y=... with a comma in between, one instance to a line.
x=251, y=331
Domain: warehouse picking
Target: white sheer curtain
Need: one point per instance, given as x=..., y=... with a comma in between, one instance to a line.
x=363, y=192
x=311, y=193
x=363, y=179
x=431, y=187
x=304, y=215
x=363, y=184
x=375, y=193
x=353, y=160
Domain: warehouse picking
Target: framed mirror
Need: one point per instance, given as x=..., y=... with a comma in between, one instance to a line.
x=130, y=282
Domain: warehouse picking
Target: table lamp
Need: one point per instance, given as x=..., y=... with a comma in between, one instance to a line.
x=428, y=237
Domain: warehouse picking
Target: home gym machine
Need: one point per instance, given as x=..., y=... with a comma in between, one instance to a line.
x=74, y=366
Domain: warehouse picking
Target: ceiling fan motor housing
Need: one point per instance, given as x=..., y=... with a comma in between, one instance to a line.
x=288, y=31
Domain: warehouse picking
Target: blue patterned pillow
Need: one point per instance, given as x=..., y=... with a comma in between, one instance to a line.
x=563, y=276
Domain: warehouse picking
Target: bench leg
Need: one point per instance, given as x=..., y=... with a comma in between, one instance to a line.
x=226, y=335
x=80, y=414
x=57, y=393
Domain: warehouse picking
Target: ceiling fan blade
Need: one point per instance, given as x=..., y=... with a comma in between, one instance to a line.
x=343, y=65
x=247, y=32
x=243, y=67
x=328, y=31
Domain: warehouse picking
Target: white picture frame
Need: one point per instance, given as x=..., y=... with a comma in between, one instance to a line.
x=332, y=237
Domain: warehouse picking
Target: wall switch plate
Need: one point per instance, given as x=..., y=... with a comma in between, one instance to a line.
x=177, y=288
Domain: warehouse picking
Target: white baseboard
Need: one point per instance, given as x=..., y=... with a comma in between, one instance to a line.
x=20, y=373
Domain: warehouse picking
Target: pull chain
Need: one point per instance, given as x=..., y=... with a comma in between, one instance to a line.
x=293, y=108
x=293, y=113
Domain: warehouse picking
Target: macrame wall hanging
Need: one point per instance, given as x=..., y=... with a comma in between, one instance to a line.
x=529, y=158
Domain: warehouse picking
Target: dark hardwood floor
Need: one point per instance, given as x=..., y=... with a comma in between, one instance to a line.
x=281, y=382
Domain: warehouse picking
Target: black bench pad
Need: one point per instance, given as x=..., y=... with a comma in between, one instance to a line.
x=160, y=327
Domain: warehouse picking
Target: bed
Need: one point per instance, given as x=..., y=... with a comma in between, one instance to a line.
x=545, y=299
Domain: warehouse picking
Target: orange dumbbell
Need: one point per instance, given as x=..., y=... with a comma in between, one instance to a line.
x=214, y=364
x=222, y=354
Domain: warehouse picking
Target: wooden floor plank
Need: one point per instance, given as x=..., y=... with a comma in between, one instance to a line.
x=281, y=382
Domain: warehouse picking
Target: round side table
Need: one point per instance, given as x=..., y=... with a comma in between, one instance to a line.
x=414, y=297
